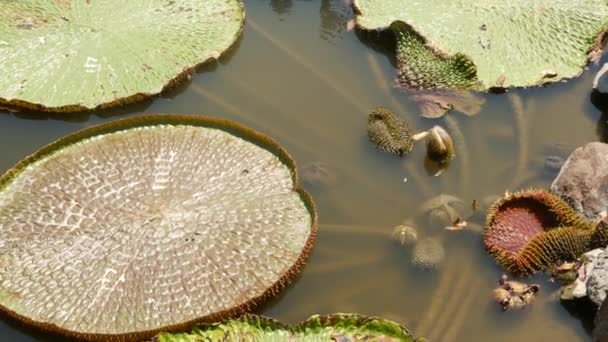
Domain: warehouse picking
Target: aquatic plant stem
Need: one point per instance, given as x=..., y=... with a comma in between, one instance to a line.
x=413, y=173
x=451, y=306
x=462, y=315
x=300, y=60
x=244, y=117
x=522, y=151
x=463, y=152
x=311, y=129
x=381, y=82
x=353, y=229
x=440, y=296
x=345, y=264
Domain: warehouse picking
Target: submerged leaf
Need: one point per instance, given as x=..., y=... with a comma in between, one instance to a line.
x=336, y=327
x=435, y=103
x=486, y=44
x=82, y=54
x=134, y=226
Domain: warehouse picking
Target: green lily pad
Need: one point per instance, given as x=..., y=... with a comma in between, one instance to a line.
x=336, y=327
x=484, y=44
x=133, y=227
x=81, y=54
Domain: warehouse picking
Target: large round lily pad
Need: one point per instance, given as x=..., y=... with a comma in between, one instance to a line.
x=149, y=224
x=336, y=327
x=80, y=54
x=485, y=44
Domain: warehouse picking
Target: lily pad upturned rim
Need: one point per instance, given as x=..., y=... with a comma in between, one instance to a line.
x=593, y=53
x=372, y=323
x=228, y=126
x=177, y=80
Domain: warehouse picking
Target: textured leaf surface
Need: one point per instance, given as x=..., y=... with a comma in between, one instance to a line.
x=511, y=43
x=144, y=223
x=79, y=54
x=338, y=327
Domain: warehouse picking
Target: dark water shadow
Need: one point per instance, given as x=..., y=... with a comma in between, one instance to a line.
x=383, y=42
x=281, y=7
x=80, y=117
x=600, y=101
x=19, y=328
x=582, y=310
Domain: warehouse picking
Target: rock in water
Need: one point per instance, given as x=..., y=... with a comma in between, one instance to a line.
x=598, y=280
x=583, y=180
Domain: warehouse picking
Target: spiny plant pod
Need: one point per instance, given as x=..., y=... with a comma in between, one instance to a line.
x=336, y=327
x=389, y=132
x=150, y=224
x=428, y=254
x=530, y=230
x=600, y=236
x=65, y=56
x=490, y=43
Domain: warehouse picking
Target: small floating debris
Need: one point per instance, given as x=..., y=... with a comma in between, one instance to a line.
x=458, y=224
x=511, y=294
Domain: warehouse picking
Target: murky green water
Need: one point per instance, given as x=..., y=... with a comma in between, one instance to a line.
x=299, y=76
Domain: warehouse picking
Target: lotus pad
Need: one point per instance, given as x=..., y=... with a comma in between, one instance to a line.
x=132, y=227
x=338, y=327
x=511, y=43
x=80, y=54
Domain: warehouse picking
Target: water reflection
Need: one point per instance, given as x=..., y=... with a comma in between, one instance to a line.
x=281, y=6
x=335, y=15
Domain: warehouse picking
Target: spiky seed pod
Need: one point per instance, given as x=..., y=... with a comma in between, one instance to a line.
x=600, y=236
x=428, y=254
x=389, y=132
x=529, y=230
x=439, y=145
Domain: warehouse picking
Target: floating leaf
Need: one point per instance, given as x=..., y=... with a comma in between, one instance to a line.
x=133, y=227
x=336, y=327
x=486, y=44
x=82, y=54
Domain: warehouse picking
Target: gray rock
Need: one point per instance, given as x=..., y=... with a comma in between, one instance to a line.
x=598, y=279
x=583, y=180
x=578, y=288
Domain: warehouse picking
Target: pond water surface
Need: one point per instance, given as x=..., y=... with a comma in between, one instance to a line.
x=298, y=75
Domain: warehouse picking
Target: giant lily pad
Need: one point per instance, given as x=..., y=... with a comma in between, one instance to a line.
x=130, y=228
x=337, y=327
x=485, y=44
x=81, y=54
